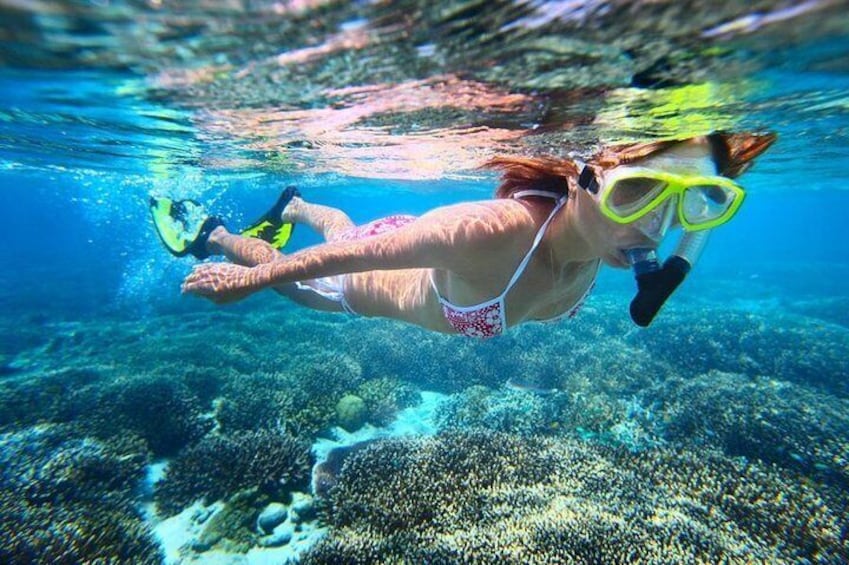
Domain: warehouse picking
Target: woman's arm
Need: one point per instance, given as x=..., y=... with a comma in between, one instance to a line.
x=446, y=238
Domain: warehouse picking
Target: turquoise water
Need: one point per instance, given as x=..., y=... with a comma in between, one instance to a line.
x=141, y=426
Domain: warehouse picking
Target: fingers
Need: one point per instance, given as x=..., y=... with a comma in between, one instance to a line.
x=219, y=282
x=208, y=280
x=198, y=280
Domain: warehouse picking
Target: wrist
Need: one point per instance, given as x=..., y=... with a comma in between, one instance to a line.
x=262, y=275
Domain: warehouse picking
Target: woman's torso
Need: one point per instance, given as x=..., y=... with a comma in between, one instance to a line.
x=543, y=290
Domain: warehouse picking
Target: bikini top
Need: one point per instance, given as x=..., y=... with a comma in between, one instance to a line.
x=488, y=319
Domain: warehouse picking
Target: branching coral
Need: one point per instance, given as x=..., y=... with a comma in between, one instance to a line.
x=384, y=397
x=160, y=409
x=253, y=402
x=502, y=410
x=219, y=466
x=70, y=500
x=785, y=347
x=28, y=401
x=494, y=498
x=304, y=396
x=761, y=418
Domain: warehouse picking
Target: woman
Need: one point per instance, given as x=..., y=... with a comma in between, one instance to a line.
x=530, y=254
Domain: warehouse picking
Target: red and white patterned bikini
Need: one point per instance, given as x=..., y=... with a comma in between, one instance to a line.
x=488, y=319
x=483, y=320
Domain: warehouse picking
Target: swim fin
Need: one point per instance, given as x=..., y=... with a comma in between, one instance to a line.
x=182, y=225
x=269, y=227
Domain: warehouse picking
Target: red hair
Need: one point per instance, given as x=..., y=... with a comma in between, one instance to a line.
x=732, y=152
x=526, y=173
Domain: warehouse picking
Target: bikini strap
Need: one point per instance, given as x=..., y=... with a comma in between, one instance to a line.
x=544, y=193
x=561, y=201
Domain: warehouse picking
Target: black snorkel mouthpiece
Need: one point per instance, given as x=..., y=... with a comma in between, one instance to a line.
x=656, y=282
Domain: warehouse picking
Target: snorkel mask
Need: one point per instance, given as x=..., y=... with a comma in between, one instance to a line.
x=654, y=201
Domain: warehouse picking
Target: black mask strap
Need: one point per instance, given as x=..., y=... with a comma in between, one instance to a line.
x=587, y=180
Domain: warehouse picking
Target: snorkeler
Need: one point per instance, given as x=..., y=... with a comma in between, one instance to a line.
x=532, y=253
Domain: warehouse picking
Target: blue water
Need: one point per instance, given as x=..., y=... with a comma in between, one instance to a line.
x=104, y=365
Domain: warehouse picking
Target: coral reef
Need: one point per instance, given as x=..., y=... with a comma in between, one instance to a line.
x=593, y=415
x=761, y=418
x=162, y=410
x=384, y=397
x=222, y=465
x=764, y=388
x=495, y=498
x=70, y=500
x=36, y=399
x=501, y=410
x=782, y=346
x=252, y=402
x=303, y=398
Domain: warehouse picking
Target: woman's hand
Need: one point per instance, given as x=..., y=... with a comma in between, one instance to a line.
x=222, y=282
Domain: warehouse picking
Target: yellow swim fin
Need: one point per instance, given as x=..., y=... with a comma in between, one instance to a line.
x=270, y=227
x=182, y=225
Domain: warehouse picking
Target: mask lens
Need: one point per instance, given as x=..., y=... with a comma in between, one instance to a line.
x=631, y=195
x=706, y=203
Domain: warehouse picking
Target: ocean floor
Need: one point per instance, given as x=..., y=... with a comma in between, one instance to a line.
x=717, y=435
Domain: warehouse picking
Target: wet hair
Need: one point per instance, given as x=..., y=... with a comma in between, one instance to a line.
x=733, y=153
x=528, y=173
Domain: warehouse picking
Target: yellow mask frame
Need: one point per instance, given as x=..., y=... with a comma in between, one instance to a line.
x=689, y=188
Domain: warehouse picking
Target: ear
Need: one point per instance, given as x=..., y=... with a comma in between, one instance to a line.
x=740, y=150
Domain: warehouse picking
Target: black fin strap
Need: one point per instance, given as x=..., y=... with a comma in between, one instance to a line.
x=587, y=180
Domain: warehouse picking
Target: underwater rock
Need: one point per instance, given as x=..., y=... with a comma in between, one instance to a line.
x=351, y=412
x=232, y=528
x=281, y=535
x=302, y=508
x=326, y=473
x=273, y=515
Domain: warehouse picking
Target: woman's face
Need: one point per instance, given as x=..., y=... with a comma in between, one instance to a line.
x=612, y=239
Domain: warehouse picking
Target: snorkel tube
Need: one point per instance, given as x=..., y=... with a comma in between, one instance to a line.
x=656, y=283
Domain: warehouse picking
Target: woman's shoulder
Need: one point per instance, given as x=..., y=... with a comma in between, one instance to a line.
x=492, y=216
x=484, y=229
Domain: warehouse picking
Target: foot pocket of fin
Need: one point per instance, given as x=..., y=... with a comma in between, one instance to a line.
x=269, y=227
x=182, y=225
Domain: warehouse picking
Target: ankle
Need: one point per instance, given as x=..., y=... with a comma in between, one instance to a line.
x=291, y=214
x=216, y=236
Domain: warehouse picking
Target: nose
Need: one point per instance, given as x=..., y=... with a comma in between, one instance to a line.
x=656, y=223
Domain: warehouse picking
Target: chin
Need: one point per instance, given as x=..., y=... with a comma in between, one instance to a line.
x=616, y=260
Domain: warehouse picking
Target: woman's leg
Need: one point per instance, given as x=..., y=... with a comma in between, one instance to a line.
x=247, y=251
x=327, y=221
